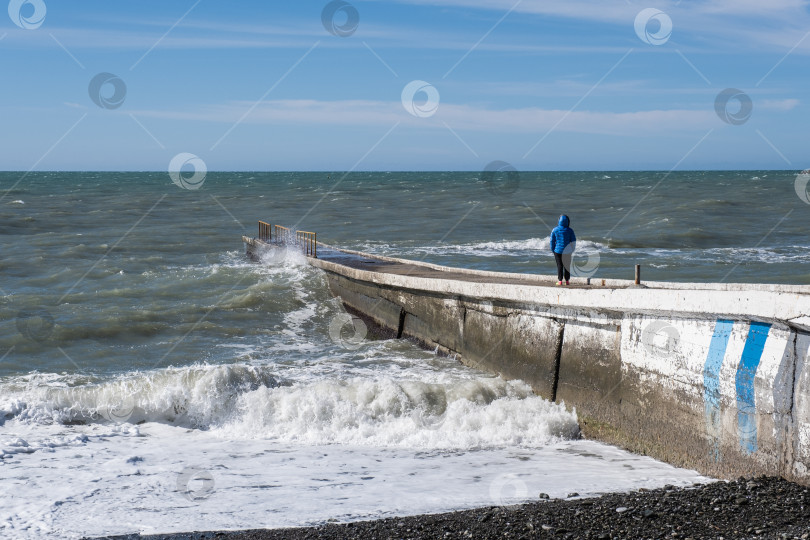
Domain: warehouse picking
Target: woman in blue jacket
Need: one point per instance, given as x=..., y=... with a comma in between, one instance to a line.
x=561, y=237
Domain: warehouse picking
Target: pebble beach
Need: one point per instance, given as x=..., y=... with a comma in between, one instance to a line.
x=764, y=507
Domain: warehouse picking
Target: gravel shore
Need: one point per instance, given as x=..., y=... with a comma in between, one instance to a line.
x=764, y=507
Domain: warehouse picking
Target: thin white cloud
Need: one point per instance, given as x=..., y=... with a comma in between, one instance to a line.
x=107, y=38
x=782, y=105
x=618, y=11
x=719, y=24
x=756, y=8
x=575, y=9
x=383, y=41
x=458, y=117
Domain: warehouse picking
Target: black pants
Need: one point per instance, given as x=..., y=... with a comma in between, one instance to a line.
x=563, y=265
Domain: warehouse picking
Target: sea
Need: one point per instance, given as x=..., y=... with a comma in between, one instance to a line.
x=153, y=379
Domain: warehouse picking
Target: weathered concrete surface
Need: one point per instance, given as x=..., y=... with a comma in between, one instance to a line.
x=710, y=376
x=590, y=372
x=512, y=343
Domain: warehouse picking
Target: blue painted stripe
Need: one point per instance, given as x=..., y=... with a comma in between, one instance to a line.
x=714, y=361
x=746, y=372
x=711, y=381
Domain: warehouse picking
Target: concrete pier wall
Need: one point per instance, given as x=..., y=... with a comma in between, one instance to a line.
x=708, y=376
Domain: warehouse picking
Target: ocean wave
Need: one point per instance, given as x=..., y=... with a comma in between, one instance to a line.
x=193, y=396
x=771, y=255
x=767, y=255
x=254, y=402
x=673, y=255
x=231, y=285
x=463, y=414
x=482, y=249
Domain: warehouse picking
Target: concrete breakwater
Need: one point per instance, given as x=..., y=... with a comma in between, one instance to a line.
x=708, y=376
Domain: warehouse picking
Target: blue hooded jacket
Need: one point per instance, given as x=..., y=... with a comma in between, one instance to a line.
x=562, y=235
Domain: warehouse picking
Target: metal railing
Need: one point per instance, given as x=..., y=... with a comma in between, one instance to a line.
x=308, y=242
x=276, y=234
x=281, y=234
x=264, y=231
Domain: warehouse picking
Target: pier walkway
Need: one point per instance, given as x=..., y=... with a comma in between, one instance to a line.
x=712, y=376
x=402, y=267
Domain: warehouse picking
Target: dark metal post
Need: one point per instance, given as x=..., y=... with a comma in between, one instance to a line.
x=638, y=274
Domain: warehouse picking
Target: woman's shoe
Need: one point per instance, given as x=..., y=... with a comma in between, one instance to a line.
x=559, y=283
x=567, y=283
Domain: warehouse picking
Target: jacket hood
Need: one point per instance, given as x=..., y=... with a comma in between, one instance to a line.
x=564, y=221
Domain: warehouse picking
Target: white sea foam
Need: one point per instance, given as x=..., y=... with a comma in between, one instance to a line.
x=272, y=453
x=519, y=248
x=475, y=413
x=171, y=479
x=284, y=445
x=382, y=435
x=194, y=396
x=253, y=402
x=538, y=247
x=773, y=255
x=762, y=254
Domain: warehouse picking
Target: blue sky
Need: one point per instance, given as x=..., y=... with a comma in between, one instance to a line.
x=540, y=84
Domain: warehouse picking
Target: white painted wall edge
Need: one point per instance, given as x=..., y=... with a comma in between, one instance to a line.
x=796, y=289
x=765, y=305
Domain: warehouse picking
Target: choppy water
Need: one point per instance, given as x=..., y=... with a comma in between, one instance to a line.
x=153, y=379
